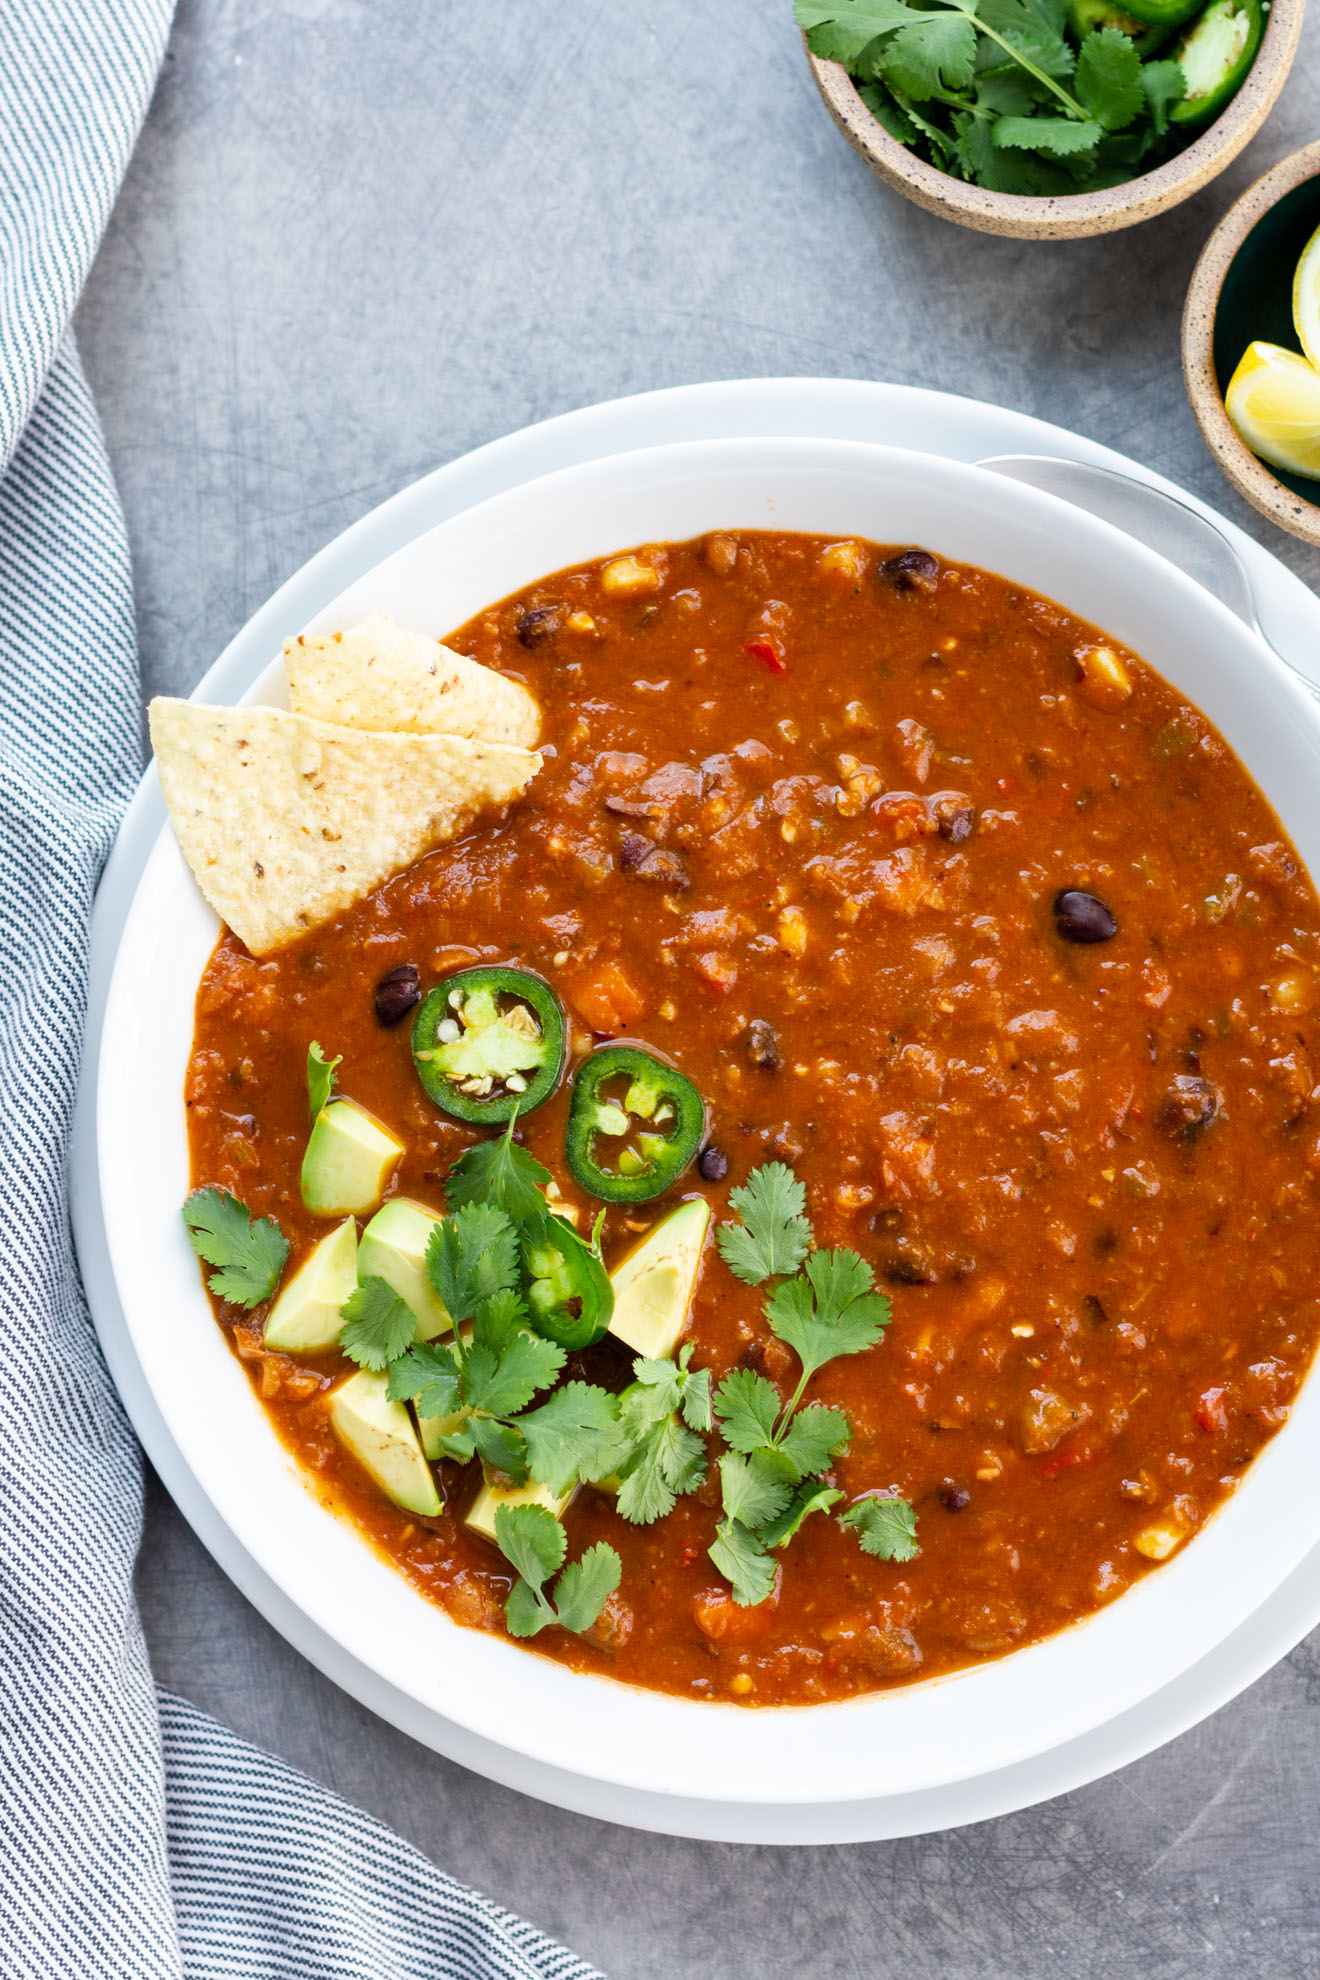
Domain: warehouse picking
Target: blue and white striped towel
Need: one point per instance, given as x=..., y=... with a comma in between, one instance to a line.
x=140, y=1839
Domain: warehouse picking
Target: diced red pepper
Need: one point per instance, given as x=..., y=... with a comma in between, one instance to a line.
x=1074, y=1450
x=1210, y=1411
x=769, y=652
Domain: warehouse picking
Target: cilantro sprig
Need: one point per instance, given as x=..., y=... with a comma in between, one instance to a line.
x=320, y=1078
x=249, y=1252
x=1008, y=94
x=534, y=1543
x=779, y=1452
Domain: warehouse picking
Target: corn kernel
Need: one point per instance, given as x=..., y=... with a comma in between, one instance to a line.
x=845, y=560
x=1294, y=990
x=581, y=622
x=740, y=1684
x=628, y=577
x=792, y=927
x=1160, y=1540
x=1105, y=681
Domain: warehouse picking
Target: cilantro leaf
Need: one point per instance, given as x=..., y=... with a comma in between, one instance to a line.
x=585, y=1586
x=755, y=1489
x=747, y=1406
x=427, y=1376
x=884, y=1527
x=809, y=1498
x=460, y=1445
x=774, y=1236
x=501, y=1445
x=320, y=1078
x=815, y=1437
x=659, y=1388
x=1060, y=136
x=378, y=1325
x=472, y=1255
x=503, y=1382
x=1163, y=84
x=499, y=1173
x=250, y=1251
x=497, y=1319
x=527, y=1611
x=1108, y=78
x=885, y=107
x=532, y=1540
x=664, y=1461
x=574, y=1436
x=831, y=1311
x=935, y=52
x=838, y=30
x=744, y=1563
x=1033, y=30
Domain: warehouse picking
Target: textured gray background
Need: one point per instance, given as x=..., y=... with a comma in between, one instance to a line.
x=362, y=236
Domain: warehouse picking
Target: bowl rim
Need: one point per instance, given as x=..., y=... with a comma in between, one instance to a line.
x=1029, y=216
x=1247, y=473
x=174, y=1300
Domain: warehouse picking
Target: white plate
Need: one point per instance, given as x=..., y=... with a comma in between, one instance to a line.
x=997, y=433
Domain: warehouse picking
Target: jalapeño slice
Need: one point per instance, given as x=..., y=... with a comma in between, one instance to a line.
x=634, y=1125
x=569, y=1295
x=1214, y=55
x=488, y=1043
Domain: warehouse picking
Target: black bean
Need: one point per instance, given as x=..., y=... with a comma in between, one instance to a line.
x=909, y=1267
x=397, y=992
x=634, y=847
x=912, y=570
x=539, y=625
x=1093, y=1311
x=762, y=1042
x=954, y=815
x=953, y=1496
x=713, y=1164
x=1188, y=1108
x=1083, y=917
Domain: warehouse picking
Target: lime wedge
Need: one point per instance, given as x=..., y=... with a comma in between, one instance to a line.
x=1306, y=298
x=1273, y=400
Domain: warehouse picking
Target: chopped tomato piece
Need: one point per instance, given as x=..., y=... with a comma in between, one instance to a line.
x=1074, y=1450
x=719, y=1617
x=769, y=652
x=609, y=1001
x=719, y=972
x=1210, y=1411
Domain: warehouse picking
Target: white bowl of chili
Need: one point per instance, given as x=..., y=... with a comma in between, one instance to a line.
x=918, y=1734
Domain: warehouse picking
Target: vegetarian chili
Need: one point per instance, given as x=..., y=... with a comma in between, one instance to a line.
x=962, y=914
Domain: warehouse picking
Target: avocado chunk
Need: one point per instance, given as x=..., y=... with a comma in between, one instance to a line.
x=306, y=1317
x=393, y=1248
x=481, y=1515
x=348, y=1161
x=381, y=1436
x=653, y=1287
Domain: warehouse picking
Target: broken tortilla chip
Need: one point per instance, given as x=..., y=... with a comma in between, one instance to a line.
x=378, y=675
x=285, y=821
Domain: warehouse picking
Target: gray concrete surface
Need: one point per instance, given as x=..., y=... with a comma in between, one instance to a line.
x=361, y=236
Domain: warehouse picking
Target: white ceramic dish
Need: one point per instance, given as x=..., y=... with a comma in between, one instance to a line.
x=901, y=1744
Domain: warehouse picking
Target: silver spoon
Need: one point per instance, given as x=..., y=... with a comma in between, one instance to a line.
x=1169, y=526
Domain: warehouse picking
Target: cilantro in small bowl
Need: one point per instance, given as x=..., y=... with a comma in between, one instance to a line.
x=1035, y=105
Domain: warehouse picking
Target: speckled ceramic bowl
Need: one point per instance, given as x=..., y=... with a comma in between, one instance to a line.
x=1069, y=217
x=1241, y=290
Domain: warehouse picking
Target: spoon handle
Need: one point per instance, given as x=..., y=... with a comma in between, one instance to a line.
x=1178, y=532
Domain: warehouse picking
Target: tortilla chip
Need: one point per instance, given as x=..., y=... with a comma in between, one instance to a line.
x=286, y=822
x=381, y=676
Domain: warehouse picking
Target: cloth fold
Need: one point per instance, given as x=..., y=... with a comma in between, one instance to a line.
x=142, y=1840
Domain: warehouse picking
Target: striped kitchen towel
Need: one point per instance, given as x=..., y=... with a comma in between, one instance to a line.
x=140, y=1839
